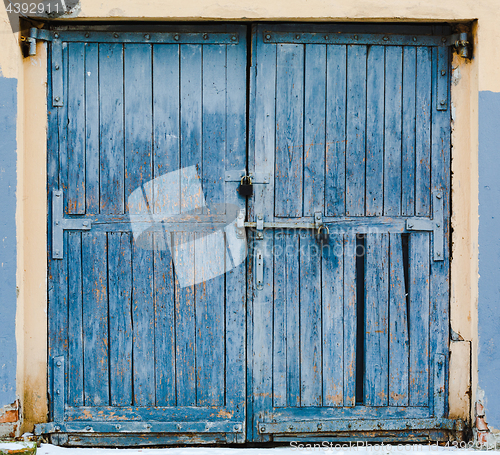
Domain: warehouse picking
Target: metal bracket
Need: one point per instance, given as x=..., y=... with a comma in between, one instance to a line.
x=436, y=225
x=58, y=393
x=259, y=269
x=439, y=385
x=262, y=178
x=60, y=224
x=260, y=227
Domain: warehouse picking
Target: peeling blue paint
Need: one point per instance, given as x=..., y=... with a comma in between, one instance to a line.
x=8, y=158
x=489, y=253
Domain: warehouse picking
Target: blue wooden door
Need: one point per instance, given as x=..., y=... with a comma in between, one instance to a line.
x=349, y=333
x=146, y=301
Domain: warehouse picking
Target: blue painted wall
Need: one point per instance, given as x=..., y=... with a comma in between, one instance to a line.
x=8, y=356
x=489, y=254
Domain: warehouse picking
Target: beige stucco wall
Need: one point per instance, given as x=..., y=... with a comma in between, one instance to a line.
x=468, y=78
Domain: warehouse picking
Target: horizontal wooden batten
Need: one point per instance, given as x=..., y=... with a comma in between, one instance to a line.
x=273, y=37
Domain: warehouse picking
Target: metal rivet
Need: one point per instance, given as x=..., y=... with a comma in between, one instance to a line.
x=386, y=38
x=57, y=223
x=443, y=72
x=268, y=37
x=355, y=37
x=320, y=426
x=85, y=223
x=438, y=254
x=57, y=428
x=262, y=428
x=118, y=427
x=56, y=35
x=176, y=37
x=237, y=428
x=58, y=392
x=87, y=35
x=58, y=194
x=349, y=426
x=326, y=37
x=259, y=217
x=57, y=98
x=147, y=36
x=116, y=35
x=57, y=67
x=179, y=426
x=58, y=363
x=443, y=102
x=414, y=38
x=297, y=36
x=88, y=428
x=57, y=252
x=410, y=225
x=443, y=39
x=233, y=38
x=438, y=225
x=205, y=35
x=438, y=195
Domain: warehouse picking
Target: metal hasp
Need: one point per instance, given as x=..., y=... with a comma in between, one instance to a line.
x=436, y=225
x=60, y=224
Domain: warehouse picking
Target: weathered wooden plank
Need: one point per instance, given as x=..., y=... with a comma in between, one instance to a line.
x=214, y=126
x=332, y=277
x=419, y=319
x=209, y=255
x=281, y=239
x=62, y=123
x=408, y=131
x=75, y=322
x=75, y=192
x=314, y=129
x=376, y=320
x=423, y=133
x=164, y=304
x=191, y=112
x=292, y=337
x=311, y=371
x=95, y=318
x=289, y=130
x=143, y=357
x=355, y=130
x=392, y=130
x=138, y=85
x=335, y=130
x=120, y=318
x=398, y=329
x=185, y=339
x=111, y=162
x=375, y=111
x=350, y=319
x=440, y=270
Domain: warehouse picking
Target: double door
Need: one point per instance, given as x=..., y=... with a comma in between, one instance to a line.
x=315, y=308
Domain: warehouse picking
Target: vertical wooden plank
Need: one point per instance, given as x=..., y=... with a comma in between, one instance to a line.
x=75, y=323
x=75, y=192
x=185, y=336
x=280, y=320
x=111, y=160
x=289, y=130
x=95, y=318
x=375, y=106
x=164, y=304
x=214, y=126
x=398, y=329
x=92, y=127
x=191, y=110
x=440, y=270
x=314, y=128
x=336, y=80
x=209, y=319
x=120, y=318
x=235, y=303
x=423, y=133
x=310, y=322
x=355, y=134
x=264, y=59
x=350, y=319
x=292, y=292
x=376, y=320
x=409, y=113
x=138, y=119
x=392, y=130
x=333, y=320
x=62, y=123
x=143, y=357
x=419, y=319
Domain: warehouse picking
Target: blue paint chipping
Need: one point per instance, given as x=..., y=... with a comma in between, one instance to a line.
x=489, y=253
x=8, y=357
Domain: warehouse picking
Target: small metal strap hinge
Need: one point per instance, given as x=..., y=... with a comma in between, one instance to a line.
x=436, y=225
x=60, y=224
x=58, y=392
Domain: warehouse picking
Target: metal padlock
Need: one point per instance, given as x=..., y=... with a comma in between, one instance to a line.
x=246, y=188
x=323, y=234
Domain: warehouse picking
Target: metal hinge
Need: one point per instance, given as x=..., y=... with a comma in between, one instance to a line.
x=60, y=224
x=434, y=225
